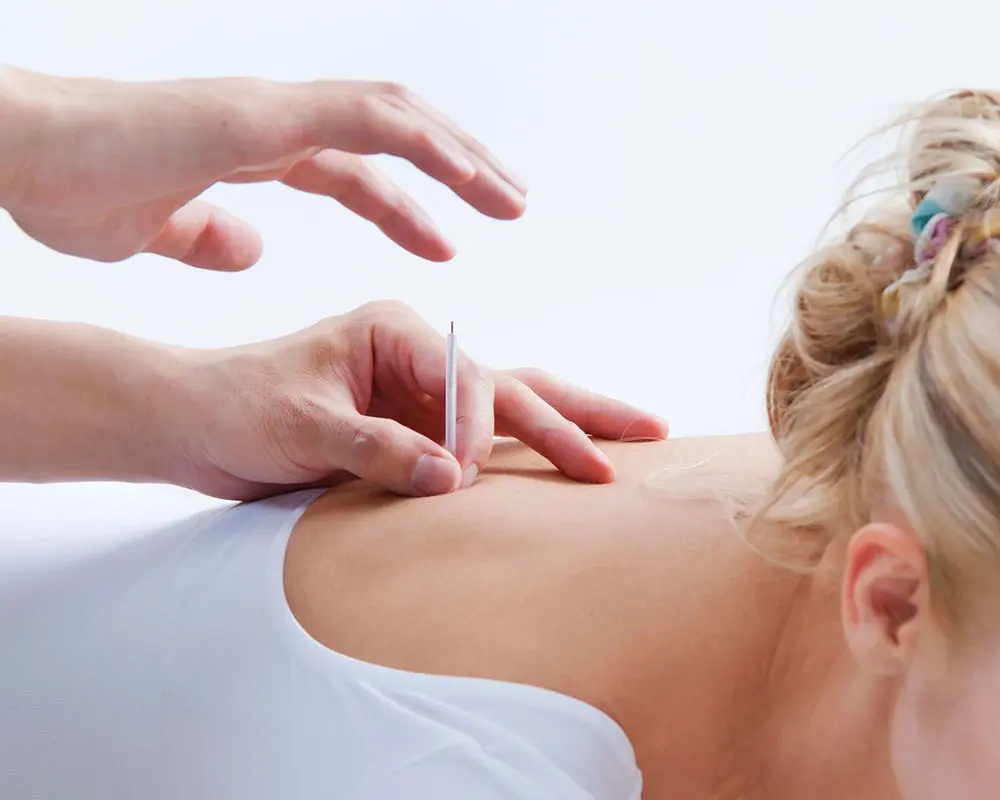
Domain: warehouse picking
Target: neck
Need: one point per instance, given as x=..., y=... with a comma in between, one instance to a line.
x=823, y=727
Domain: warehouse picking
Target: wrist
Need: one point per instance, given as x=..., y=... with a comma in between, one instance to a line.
x=159, y=401
x=182, y=398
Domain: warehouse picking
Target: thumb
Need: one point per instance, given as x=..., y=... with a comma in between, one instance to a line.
x=207, y=237
x=387, y=453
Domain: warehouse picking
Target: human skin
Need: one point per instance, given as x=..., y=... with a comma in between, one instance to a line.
x=731, y=675
x=104, y=169
x=358, y=395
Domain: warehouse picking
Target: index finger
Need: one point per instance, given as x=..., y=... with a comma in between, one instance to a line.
x=470, y=143
x=370, y=118
x=596, y=414
x=475, y=418
x=418, y=359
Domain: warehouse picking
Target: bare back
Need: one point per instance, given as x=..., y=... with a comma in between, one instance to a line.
x=638, y=597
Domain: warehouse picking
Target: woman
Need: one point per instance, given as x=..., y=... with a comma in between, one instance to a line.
x=732, y=618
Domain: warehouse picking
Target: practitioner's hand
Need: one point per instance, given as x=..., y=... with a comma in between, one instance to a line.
x=362, y=395
x=105, y=169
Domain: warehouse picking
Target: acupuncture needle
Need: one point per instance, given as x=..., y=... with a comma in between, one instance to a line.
x=451, y=393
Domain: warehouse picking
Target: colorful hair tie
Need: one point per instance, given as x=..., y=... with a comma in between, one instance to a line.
x=951, y=197
x=930, y=224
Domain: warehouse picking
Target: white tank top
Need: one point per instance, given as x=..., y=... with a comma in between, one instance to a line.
x=171, y=668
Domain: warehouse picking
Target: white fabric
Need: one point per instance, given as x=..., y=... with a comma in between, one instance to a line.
x=170, y=667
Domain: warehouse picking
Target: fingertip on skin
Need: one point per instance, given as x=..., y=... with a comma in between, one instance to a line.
x=662, y=427
x=605, y=470
x=590, y=464
x=646, y=428
x=434, y=475
x=597, y=471
x=469, y=476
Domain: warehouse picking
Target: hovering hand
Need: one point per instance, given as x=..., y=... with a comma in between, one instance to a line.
x=105, y=169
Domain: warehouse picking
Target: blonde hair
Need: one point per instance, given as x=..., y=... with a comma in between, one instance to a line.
x=867, y=410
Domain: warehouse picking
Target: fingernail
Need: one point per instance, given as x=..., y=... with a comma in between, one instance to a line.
x=469, y=476
x=434, y=475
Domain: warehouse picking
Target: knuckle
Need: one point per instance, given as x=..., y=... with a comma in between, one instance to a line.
x=475, y=376
x=424, y=138
x=515, y=397
x=521, y=391
x=370, y=113
x=358, y=179
x=386, y=308
x=395, y=90
x=382, y=98
x=530, y=375
x=484, y=380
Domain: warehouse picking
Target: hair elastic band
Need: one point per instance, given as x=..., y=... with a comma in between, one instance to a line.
x=951, y=197
x=931, y=222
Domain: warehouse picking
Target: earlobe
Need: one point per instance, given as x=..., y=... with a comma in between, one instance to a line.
x=885, y=597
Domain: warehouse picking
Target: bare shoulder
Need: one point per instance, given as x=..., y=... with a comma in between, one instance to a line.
x=522, y=508
x=501, y=580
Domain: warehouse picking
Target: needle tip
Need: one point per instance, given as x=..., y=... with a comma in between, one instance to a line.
x=452, y=329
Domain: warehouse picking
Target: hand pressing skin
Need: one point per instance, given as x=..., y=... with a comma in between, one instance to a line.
x=107, y=169
x=359, y=395
x=362, y=395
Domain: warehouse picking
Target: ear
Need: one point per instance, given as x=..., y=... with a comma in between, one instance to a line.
x=885, y=597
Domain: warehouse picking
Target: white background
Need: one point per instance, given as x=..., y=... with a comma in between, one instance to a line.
x=681, y=157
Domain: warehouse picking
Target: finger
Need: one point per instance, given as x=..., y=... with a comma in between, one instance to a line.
x=470, y=143
x=475, y=423
x=368, y=193
x=410, y=358
x=490, y=195
x=595, y=414
x=524, y=415
x=389, y=454
x=205, y=236
x=494, y=185
x=368, y=118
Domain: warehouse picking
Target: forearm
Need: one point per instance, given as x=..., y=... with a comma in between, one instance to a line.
x=79, y=402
